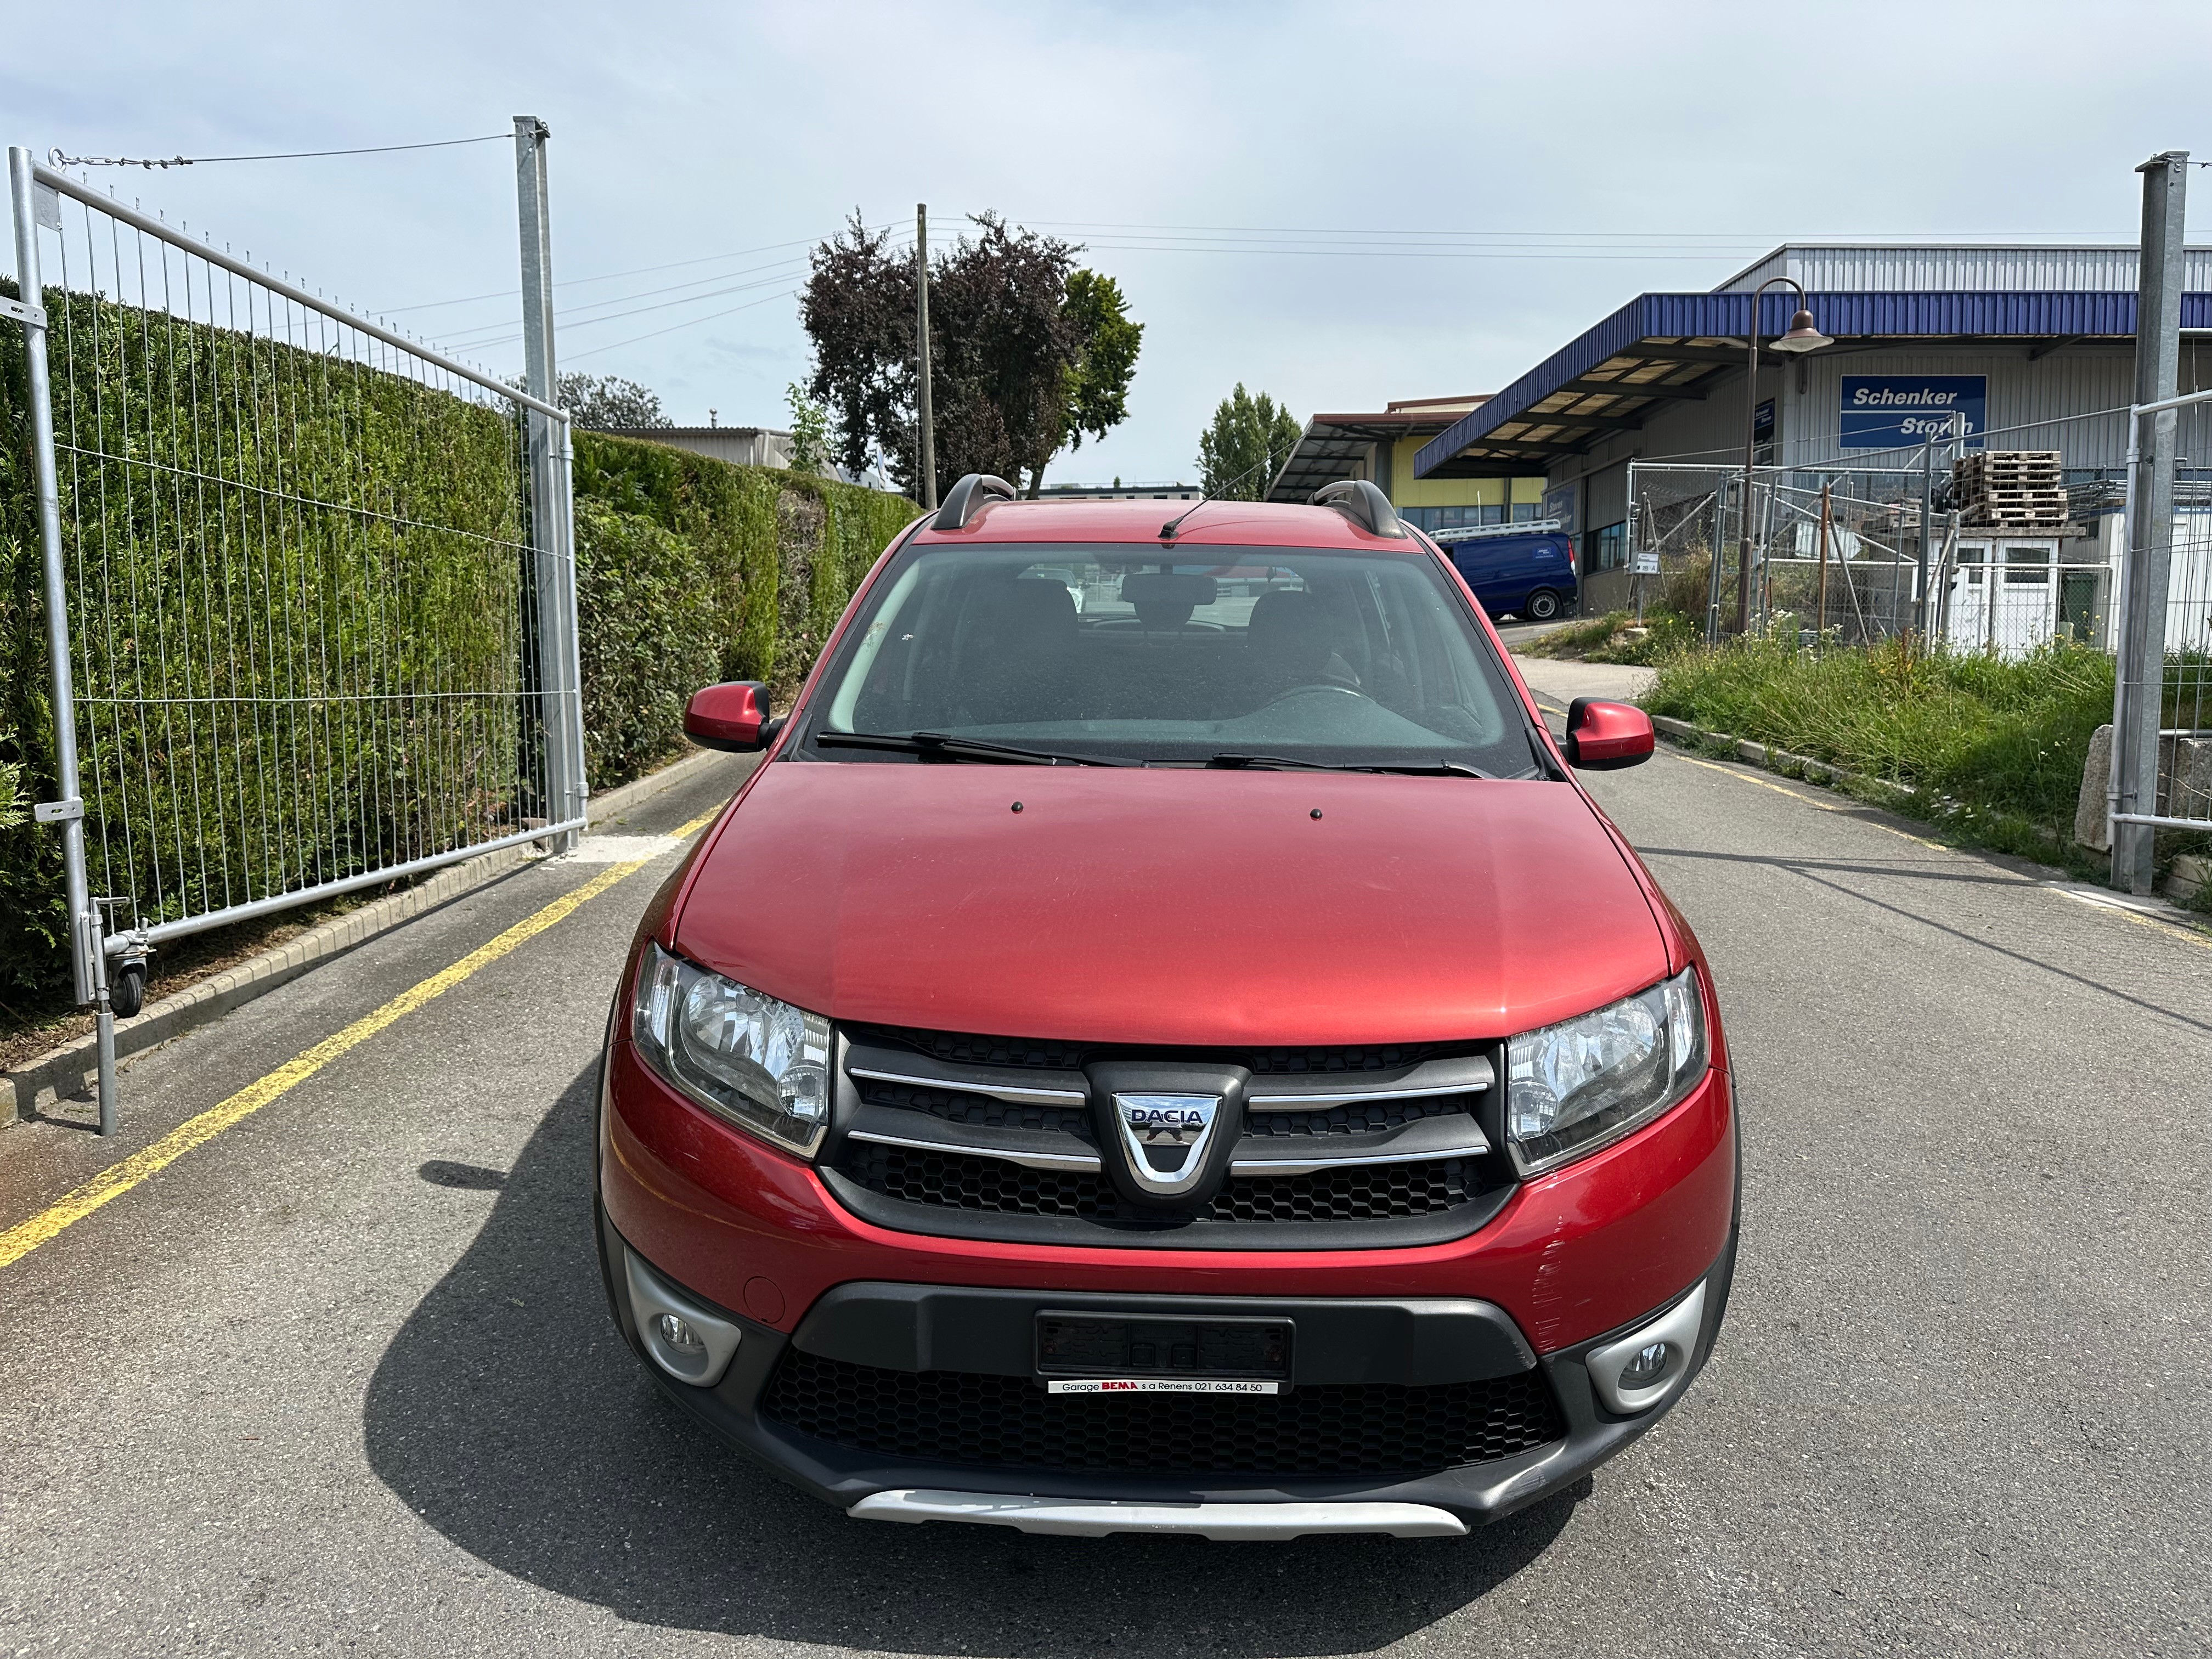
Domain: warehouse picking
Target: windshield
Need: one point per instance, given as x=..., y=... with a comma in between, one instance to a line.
x=1333, y=659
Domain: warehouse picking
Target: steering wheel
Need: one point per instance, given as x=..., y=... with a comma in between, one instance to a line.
x=1318, y=685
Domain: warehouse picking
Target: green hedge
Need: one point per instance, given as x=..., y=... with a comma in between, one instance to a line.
x=688, y=570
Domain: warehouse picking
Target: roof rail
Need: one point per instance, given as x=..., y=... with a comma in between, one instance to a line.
x=1360, y=501
x=961, y=502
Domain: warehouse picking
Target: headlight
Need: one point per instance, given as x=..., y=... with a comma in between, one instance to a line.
x=1573, y=1087
x=762, y=1064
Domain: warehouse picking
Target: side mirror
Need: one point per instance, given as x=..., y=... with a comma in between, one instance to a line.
x=732, y=715
x=1604, y=737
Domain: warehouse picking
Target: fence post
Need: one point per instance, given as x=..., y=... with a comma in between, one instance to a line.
x=559, y=682
x=925, y=425
x=2141, y=667
x=1820, y=620
x=1713, y=574
x=88, y=954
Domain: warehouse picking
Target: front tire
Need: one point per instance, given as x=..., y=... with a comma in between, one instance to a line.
x=1542, y=605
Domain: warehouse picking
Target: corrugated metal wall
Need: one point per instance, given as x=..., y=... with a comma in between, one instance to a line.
x=1605, y=497
x=1828, y=269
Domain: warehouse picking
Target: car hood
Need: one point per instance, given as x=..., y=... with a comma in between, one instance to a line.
x=1170, y=907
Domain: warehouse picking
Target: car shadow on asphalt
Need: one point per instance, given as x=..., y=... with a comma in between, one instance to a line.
x=508, y=1415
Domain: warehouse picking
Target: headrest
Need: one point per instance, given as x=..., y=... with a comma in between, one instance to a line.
x=1028, y=604
x=1169, y=590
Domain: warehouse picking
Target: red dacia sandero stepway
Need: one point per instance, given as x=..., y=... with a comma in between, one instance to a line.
x=1164, y=1042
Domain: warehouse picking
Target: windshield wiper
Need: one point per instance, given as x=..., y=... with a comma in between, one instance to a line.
x=937, y=745
x=1280, y=763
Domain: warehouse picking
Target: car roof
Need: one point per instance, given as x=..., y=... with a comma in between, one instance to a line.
x=1212, y=524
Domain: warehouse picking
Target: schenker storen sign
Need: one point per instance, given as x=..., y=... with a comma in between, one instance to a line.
x=1900, y=411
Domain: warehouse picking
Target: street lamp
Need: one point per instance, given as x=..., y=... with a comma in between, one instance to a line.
x=1802, y=337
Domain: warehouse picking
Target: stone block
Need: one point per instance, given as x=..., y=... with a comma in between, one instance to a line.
x=2096, y=778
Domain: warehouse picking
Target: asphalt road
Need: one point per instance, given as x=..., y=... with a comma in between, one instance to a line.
x=341, y=1380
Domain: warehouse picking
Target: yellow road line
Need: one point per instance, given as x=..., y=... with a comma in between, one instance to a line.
x=112, y=1182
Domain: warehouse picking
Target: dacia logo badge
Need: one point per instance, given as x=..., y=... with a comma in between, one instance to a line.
x=1166, y=1137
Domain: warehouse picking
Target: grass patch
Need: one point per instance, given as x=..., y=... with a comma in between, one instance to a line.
x=1991, y=751
x=1615, y=638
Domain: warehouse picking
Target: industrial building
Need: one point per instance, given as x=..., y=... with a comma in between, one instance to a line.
x=1964, y=346
x=1380, y=447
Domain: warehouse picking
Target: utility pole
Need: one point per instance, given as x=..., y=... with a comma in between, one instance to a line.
x=926, y=458
x=550, y=542
x=2141, y=697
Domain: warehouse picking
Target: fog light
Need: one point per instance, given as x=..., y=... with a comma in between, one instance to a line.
x=1637, y=1371
x=1646, y=1367
x=686, y=1341
x=675, y=1331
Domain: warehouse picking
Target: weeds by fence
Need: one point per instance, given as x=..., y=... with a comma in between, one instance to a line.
x=2000, y=741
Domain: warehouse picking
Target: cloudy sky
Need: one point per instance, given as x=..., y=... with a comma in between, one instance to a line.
x=1339, y=203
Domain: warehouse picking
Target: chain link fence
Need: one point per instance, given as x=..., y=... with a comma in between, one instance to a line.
x=1851, y=555
x=309, y=586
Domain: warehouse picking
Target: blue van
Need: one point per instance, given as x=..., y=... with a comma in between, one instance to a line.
x=1528, y=573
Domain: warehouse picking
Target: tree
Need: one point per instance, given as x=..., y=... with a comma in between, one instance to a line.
x=809, y=431
x=1097, y=383
x=1240, y=454
x=1028, y=355
x=604, y=401
x=858, y=309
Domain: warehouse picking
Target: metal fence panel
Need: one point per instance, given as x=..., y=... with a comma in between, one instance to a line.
x=300, y=572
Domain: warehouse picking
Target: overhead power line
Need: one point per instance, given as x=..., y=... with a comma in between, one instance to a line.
x=58, y=159
x=609, y=277
x=788, y=294
x=580, y=318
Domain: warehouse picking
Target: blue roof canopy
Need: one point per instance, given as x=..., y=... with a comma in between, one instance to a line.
x=1664, y=348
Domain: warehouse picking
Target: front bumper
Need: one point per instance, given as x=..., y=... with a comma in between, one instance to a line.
x=1570, y=1255
x=951, y=1329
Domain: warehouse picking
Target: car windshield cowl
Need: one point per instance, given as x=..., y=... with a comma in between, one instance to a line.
x=1282, y=763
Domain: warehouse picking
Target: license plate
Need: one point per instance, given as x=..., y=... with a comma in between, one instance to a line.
x=1161, y=1385
x=1160, y=1355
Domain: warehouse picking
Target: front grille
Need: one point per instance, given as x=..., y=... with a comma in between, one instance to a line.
x=962, y=1049
x=1383, y=1057
x=955, y=1106
x=1370, y=1118
x=1009, y=1422
x=1377, y=1192
x=1365, y=1192
x=940, y=1131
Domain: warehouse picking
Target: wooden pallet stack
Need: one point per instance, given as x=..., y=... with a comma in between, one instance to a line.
x=2015, y=489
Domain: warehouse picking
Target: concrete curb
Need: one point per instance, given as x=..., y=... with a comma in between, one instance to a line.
x=2189, y=872
x=36, y=1084
x=1774, y=760
x=617, y=801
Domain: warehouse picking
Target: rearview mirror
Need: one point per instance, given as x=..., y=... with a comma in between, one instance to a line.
x=732, y=715
x=1604, y=737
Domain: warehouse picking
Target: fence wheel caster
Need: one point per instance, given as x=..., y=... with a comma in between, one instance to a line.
x=126, y=991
